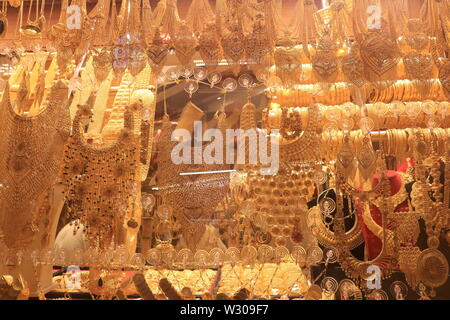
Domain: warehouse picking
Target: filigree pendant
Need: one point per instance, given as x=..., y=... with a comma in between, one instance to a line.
x=102, y=63
x=379, y=53
x=233, y=46
x=346, y=156
x=418, y=65
x=185, y=45
x=288, y=64
x=137, y=60
x=257, y=44
x=157, y=51
x=432, y=268
x=209, y=45
x=417, y=38
x=325, y=64
x=353, y=69
x=367, y=158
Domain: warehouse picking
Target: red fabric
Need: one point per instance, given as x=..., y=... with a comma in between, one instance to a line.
x=372, y=243
x=404, y=165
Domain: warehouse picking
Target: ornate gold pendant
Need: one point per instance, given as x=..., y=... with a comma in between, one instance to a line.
x=353, y=68
x=417, y=39
x=185, y=45
x=209, y=45
x=157, y=51
x=325, y=64
x=367, y=156
x=379, y=53
x=257, y=44
x=232, y=44
x=288, y=63
x=102, y=62
x=137, y=60
x=346, y=156
x=418, y=65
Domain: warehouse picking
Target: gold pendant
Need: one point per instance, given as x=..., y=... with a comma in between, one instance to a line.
x=418, y=65
x=232, y=44
x=185, y=44
x=157, y=51
x=379, y=53
x=288, y=62
x=31, y=30
x=137, y=60
x=102, y=62
x=417, y=39
x=325, y=65
x=353, y=68
x=209, y=45
x=346, y=156
x=257, y=44
x=324, y=62
x=367, y=156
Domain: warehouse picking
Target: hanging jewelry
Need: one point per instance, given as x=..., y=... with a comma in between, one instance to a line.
x=33, y=148
x=353, y=66
x=209, y=46
x=198, y=15
x=33, y=28
x=288, y=61
x=185, y=44
x=4, y=19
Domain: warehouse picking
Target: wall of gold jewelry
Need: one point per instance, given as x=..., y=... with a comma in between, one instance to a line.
x=356, y=122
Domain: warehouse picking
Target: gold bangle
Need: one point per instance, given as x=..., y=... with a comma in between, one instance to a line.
x=383, y=94
x=389, y=93
x=395, y=91
x=401, y=91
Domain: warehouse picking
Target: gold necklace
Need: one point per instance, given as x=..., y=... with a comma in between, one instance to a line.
x=185, y=44
x=34, y=149
x=101, y=181
x=324, y=62
x=353, y=238
x=257, y=44
x=307, y=146
x=192, y=196
x=232, y=44
x=288, y=61
x=379, y=53
x=198, y=15
x=33, y=28
x=353, y=66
